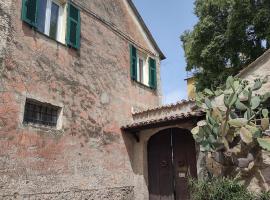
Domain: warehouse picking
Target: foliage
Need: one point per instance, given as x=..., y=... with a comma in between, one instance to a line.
x=264, y=196
x=222, y=189
x=230, y=116
x=229, y=35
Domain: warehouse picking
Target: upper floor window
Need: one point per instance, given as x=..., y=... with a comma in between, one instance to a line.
x=50, y=18
x=54, y=18
x=142, y=68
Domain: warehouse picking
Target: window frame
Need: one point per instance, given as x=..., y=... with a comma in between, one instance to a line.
x=57, y=125
x=141, y=70
x=59, y=20
x=144, y=57
x=62, y=23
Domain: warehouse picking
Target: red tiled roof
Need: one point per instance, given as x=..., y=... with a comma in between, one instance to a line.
x=168, y=106
x=176, y=117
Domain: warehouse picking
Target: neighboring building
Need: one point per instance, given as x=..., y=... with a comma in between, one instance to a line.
x=72, y=72
x=191, y=89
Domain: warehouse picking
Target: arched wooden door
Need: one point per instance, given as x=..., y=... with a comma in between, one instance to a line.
x=171, y=160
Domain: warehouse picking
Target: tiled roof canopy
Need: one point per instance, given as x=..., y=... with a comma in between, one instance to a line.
x=173, y=113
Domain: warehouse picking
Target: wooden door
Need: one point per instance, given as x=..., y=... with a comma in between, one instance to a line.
x=171, y=159
x=161, y=186
x=184, y=162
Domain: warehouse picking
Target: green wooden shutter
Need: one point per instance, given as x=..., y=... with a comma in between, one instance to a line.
x=73, y=36
x=152, y=73
x=29, y=11
x=133, y=62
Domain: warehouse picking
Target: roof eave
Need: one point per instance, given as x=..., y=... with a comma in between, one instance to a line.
x=148, y=33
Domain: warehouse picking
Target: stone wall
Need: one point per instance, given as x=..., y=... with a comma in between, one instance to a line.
x=122, y=193
x=260, y=179
x=93, y=87
x=5, y=21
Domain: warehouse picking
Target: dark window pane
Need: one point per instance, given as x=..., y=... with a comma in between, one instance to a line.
x=41, y=15
x=54, y=20
x=40, y=113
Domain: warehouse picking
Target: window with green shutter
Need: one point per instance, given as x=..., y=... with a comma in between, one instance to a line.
x=29, y=11
x=46, y=16
x=73, y=27
x=133, y=62
x=152, y=73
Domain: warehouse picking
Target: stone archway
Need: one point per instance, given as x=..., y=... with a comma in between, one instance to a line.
x=171, y=160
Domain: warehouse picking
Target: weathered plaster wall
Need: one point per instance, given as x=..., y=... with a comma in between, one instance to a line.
x=119, y=14
x=5, y=11
x=88, y=158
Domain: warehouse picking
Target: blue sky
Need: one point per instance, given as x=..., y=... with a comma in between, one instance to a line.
x=167, y=20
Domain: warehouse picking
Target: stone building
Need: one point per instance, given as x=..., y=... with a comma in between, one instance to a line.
x=72, y=73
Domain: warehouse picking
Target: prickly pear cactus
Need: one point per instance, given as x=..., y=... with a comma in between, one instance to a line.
x=236, y=119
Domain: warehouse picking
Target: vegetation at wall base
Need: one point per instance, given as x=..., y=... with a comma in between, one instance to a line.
x=222, y=189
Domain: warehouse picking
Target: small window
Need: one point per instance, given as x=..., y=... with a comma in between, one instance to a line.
x=142, y=68
x=41, y=113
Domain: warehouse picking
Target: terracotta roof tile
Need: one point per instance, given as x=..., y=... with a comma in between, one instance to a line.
x=164, y=119
x=168, y=106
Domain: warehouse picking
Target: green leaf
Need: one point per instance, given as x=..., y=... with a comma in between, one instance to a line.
x=236, y=85
x=255, y=102
x=195, y=130
x=257, y=85
x=265, y=113
x=246, y=93
x=240, y=106
x=264, y=143
x=216, y=130
x=208, y=91
x=218, y=92
x=208, y=103
x=228, y=91
x=205, y=146
x=246, y=135
x=229, y=101
x=211, y=120
x=212, y=139
x=239, y=122
x=201, y=123
x=248, y=114
x=256, y=132
x=229, y=82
